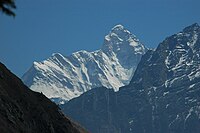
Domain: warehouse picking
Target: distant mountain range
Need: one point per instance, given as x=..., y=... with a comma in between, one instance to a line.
x=25, y=111
x=62, y=78
x=162, y=97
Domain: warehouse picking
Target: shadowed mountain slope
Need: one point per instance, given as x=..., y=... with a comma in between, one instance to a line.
x=25, y=111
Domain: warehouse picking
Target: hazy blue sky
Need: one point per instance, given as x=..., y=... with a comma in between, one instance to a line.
x=43, y=27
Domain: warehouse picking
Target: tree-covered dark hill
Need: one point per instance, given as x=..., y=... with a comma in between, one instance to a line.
x=162, y=97
x=25, y=111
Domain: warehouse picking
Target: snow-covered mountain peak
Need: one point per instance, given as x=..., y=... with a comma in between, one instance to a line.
x=122, y=44
x=65, y=77
x=119, y=33
x=120, y=39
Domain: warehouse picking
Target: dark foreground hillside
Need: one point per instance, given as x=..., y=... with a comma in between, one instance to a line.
x=25, y=111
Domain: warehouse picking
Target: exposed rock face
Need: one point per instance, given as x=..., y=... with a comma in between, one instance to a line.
x=25, y=111
x=62, y=78
x=162, y=97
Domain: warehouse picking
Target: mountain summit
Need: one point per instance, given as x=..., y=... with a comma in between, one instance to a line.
x=62, y=78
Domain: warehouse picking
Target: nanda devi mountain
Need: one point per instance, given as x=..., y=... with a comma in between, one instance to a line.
x=62, y=78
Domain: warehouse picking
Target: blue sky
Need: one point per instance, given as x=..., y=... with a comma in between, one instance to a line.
x=43, y=27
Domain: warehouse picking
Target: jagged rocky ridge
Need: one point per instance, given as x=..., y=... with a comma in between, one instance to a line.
x=25, y=111
x=162, y=97
x=62, y=78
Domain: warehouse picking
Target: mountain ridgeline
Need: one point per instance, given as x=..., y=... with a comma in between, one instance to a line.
x=25, y=111
x=62, y=78
x=162, y=97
